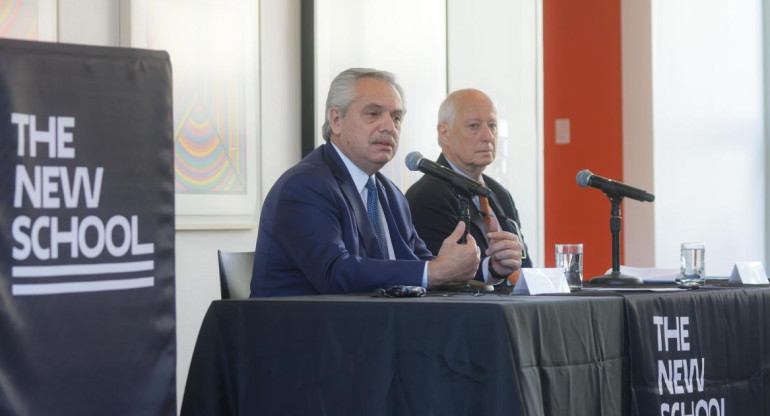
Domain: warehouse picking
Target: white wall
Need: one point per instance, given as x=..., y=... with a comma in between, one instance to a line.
x=766, y=90
x=498, y=49
x=638, y=218
x=708, y=129
x=96, y=22
x=415, y=53
x=102, y=28
x=694, y=130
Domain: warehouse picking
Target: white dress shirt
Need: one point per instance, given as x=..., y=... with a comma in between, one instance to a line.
x=359, y=179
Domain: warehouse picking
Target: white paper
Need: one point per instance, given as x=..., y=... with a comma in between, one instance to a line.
x=536, y=281
x=650, y=274
x=748, y=273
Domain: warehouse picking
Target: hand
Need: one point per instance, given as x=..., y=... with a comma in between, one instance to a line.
x=455, y=262
x=504, y=252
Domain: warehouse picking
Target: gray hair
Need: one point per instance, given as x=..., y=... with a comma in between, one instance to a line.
x=341, y=92
x=447, y=111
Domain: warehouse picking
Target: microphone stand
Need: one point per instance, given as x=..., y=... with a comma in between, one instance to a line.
x=464, y=213
x=615, y=278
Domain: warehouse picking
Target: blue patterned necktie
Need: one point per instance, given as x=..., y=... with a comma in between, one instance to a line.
x=373, y=209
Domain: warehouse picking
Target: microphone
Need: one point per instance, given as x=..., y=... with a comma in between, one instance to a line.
x=415, y=161
x=585, y=178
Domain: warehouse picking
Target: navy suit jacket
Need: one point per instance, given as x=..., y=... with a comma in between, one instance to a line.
x=315, y=236
x=434, y=208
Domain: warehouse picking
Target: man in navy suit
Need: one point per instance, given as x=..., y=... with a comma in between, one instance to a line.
x=467, y=134
x=334, y=224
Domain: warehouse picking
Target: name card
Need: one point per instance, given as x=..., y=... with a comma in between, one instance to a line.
x=542, y=280
x=749, y=273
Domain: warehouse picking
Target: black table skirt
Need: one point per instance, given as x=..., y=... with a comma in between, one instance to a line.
x=459, y=355
x=589, y=353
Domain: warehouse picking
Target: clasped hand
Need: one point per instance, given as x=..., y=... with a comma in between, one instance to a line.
x=504, y=252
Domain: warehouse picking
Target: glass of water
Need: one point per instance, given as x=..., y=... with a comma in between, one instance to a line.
x=692, y=267
x=569, y=257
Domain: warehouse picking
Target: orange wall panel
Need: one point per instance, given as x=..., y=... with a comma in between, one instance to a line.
x=582, y=82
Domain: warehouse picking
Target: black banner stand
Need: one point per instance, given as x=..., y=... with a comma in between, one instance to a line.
x=87, y=278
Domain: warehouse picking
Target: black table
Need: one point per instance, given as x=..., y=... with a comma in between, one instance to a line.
x=591, y=353
x=360, y=355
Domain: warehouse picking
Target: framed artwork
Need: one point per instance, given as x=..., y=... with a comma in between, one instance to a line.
x=28, y=20
x=214, y=52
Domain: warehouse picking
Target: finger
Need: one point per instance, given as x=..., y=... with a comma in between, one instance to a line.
x=458, y=231
x=505, y=255
x=499, y=246
x=472, y=242
x=506, y=267
x=502, y=235
x=512, y=263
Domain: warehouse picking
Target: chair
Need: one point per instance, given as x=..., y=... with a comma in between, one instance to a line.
x=235, y=270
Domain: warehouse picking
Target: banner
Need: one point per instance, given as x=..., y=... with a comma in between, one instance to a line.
x=702, y=353
x=87, y=318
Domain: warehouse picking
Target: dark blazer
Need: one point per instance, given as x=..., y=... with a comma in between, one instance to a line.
x=434, y=212
x=315, y=236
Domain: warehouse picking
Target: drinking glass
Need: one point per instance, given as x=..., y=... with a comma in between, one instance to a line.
x=569, y=257
x=692, y=267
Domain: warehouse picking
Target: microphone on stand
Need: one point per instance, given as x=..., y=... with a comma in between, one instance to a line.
x=612, y=188
x=415, y=161
x=615, y=191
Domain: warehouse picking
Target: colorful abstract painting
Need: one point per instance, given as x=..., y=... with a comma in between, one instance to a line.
x=18, y=19
x=206, y=42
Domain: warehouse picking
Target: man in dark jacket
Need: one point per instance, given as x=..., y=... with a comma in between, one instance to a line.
x=467, y=134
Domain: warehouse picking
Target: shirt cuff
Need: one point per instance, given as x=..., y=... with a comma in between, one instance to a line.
x=425, y=276
x=488, y=277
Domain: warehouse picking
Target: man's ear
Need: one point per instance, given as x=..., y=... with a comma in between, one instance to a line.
x=335, y=120
x=442, y=129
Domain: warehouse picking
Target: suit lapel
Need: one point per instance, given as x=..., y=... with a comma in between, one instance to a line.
x=504, y=225
x=365, y=230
